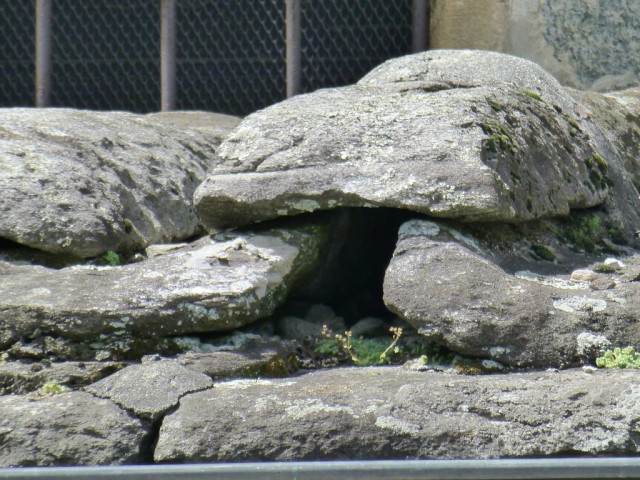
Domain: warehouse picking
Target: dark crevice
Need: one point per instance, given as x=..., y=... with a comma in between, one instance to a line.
x=354, y=261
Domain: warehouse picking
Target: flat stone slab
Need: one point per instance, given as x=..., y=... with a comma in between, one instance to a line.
x=18, y=378
x=456, y=293
x=72, y=429
x=270, y=357
x=151, y=388
x=213, y=284
x=470, y=135
x=380, y=413
x=80, y=183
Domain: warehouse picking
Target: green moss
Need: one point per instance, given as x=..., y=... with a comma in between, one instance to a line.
x=534, y=95
x=585, y=232
x=53, y=387
x=494, y=105
x=111, y=258
x=601, y=162
x=543, y=252
x=604, y=268
x=529, y=204
x=500, y=138
x=619, y=358
x=128, y=225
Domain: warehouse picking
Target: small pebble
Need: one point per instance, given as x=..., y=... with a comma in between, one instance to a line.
x=583, y=275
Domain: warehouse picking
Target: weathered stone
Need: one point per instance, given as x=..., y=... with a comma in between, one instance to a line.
x=151, y=388
x=73, y=428
x=586, y=45
x=393, y=413
x=369, y=327
x=262, y=357
x=456, y=134
x=214, y=284
x=461, y=294
x=81, y=183
x=214, y=126
x=18, y=378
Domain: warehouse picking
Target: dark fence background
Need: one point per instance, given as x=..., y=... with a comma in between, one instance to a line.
x=105, y=54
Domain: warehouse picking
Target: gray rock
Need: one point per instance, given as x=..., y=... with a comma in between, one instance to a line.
x=18, y=378
x=369, y=327
x=456, y=134
x=294, y=328
x=217, y=284
x=460, y=293
x=392, y=413
x=80, y=183
x=151, y=388
x=73, y=429
x=264, y=357
x=214, y=126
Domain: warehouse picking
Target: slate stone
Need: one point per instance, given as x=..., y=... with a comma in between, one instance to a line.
x=17, y=377
x=213, y=284
x=458, y=293
x=378, y=413
x=80, y=183
x=263, y=357
x=71, y=429
x=151, y=388
x=476, y=136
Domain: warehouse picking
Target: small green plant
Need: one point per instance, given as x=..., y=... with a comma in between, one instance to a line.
x=585, y=232
x=4, y=356
x=111, y=258
x=362, y=351
x=604, y=268
x=534, y=95
x=619, y=358
x=53, y=387
x=543, y=252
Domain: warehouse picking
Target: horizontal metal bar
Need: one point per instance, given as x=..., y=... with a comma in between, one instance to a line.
x=560, y=469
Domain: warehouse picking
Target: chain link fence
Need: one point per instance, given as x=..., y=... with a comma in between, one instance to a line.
x=230, y=54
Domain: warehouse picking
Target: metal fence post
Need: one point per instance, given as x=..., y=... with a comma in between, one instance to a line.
x=168, y=54
x=420, y=17
x=293, y=47
x=43, y=53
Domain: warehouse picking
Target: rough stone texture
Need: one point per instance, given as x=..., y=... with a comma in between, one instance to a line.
x=214, y=126
x=457, y=134
x=151, y=388
x=392, y=413
x=80, y=183
x=586, y=45
x=18, y=377
x=258, y=358
x=67, y=429
x=214, y=284
x=463, y=295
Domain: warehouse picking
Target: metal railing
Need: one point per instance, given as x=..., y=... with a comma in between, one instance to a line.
x=559, y=469
x=198, y=43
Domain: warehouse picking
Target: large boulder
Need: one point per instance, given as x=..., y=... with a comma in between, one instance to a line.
x=456, y=134
x=72, y=428
x=212, y=285
x=392, y=413
x=81, y=183
x=483, y=301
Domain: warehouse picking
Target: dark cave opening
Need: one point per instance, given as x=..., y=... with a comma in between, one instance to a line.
x=351, y=274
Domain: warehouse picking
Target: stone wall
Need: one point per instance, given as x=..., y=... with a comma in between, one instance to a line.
x=589, y=45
